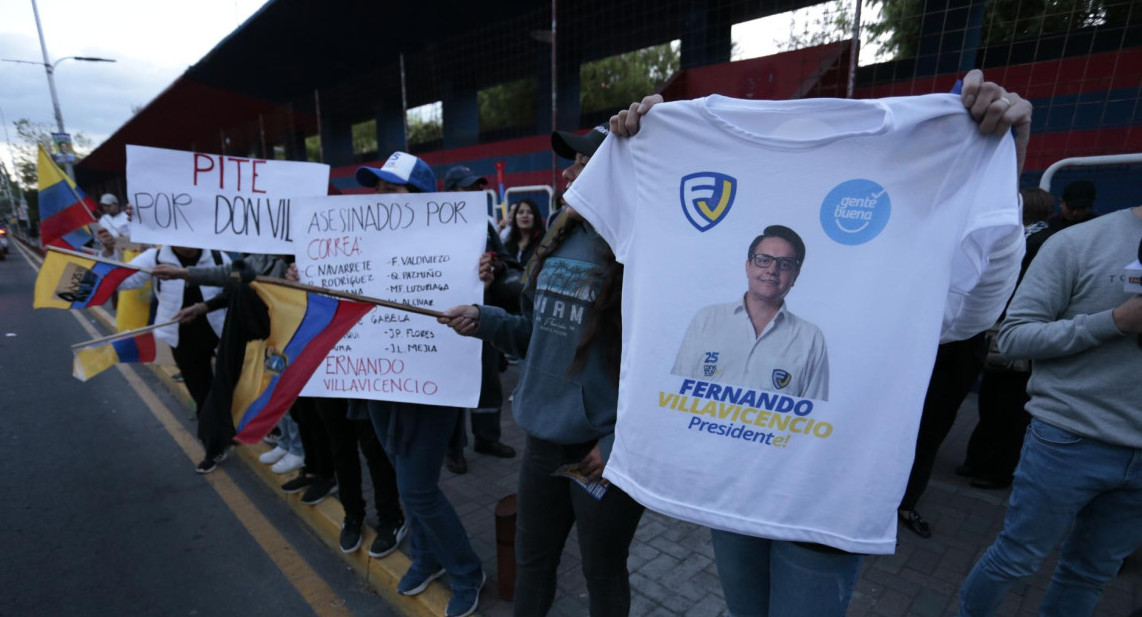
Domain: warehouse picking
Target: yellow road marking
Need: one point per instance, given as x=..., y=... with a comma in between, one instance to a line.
x=321, y=598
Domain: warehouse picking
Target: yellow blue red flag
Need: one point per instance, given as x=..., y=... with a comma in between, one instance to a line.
x=94, y=357
x=304, y=326
x=70, y=280
x=64, y=210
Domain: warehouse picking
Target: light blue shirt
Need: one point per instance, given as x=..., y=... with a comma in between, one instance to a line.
x=789, y=356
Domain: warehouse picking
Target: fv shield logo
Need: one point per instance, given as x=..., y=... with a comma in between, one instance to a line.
x=707, y=197
x=781, y=378
x=856, y=211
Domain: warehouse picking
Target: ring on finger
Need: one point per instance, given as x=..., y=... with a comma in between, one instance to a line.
x=1005, y=100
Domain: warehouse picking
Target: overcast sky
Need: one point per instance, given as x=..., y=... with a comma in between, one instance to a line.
x=152, y=41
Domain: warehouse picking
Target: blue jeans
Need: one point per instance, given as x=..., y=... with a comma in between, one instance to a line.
x=1061, y=479
x=763, y=577
x=290, y=438
x=438, y=538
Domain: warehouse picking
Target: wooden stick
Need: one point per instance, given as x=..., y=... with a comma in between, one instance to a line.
x=348, y=296
x=97, y=258
x=119, y=335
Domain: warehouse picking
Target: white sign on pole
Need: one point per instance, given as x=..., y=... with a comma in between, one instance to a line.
x=417, y=249
x=214, y=201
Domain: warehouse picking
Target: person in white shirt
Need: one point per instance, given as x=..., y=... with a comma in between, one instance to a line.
x=756, y=341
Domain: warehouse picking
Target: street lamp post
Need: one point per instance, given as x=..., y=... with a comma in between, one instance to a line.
x=49, y=68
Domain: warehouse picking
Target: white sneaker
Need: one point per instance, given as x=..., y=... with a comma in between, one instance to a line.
x=288, y=463
x=272, y=456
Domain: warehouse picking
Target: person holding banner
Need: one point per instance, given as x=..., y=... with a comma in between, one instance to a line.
x=766, y=576
x=566, y=402
x=194, y=339
x=416, y=436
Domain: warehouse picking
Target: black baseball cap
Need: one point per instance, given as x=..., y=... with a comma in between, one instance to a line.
x=567, y=144
x=463, y=177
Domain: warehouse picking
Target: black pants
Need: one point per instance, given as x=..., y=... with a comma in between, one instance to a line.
x=486, y=416
x=194, y=358
x=993, y=451
x=315, y=440
x=548, y=507
x=345, y=436
x=956, y=370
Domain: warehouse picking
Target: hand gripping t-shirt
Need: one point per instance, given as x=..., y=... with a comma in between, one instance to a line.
x=801, y=426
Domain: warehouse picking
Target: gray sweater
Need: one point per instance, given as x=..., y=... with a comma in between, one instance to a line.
x=1084, y=371
x=552, y=402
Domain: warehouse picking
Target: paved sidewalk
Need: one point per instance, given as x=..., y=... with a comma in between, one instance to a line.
x=673, y=572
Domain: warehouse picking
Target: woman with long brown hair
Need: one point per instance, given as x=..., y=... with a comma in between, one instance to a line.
x=569, y=338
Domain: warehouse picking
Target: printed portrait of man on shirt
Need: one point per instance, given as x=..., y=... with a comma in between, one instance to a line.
x=756, y=341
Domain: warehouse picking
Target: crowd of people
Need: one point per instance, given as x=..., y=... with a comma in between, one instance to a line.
x=1059, y=362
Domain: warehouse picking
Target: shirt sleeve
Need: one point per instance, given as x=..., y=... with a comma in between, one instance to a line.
x=1033, y=329
x=606, y=193
x=986, y=264
x=146, y=259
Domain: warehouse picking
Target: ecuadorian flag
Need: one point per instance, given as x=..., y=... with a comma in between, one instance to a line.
x=304, y=326
x=70, y=280
x=64, y=210
x=94, y=357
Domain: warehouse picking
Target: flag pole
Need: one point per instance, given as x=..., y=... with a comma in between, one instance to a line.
x=112, y=262
x=348, y=296
x=120, y=335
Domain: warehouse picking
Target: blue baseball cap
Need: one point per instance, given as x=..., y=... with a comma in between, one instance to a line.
x=400, y=168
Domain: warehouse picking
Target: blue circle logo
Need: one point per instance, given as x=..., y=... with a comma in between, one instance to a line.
x=855, y=212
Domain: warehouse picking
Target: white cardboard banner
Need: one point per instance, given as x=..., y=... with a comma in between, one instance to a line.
x=417, y=249
x=214, y=201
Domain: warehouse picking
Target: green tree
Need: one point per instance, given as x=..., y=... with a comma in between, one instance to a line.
x=616, y=81
x=508, y=104
x=424, y=130
x=1004, y=21
x=364, y=137
x=33, y=134
x=818, y=25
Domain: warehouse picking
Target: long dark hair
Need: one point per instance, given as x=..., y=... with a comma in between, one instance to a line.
x=537, y=228
x=606, y=320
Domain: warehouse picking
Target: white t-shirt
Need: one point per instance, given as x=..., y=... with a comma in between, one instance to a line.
x=911, y=225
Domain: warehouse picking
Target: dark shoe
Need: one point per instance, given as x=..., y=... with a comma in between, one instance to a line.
x=456, y=463
x=495, y=448
x=912, y=520
x=989, y=485
x=298, y=484
x=966, y=471
x=319, y=490
x=416, y=580
x=465, y=599
x=389, y=536
x=351, y=533
x=209, y=463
